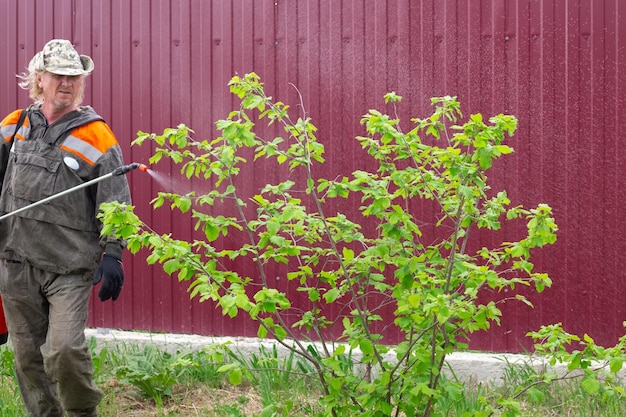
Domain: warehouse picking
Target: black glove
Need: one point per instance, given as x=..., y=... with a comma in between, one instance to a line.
x=112, y=275
x=3, y=338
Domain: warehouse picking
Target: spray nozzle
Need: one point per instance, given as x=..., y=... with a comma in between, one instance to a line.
x=125, y=169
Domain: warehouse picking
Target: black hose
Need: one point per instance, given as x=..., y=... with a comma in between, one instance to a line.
x=125, y=169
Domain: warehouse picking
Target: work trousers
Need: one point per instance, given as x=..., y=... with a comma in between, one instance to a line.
x=46, y=314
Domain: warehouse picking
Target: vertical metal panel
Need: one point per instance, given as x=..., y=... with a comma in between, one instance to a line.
x=558, y=66
x=613, y=125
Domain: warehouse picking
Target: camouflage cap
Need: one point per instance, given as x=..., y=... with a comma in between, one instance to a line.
x=59, y=57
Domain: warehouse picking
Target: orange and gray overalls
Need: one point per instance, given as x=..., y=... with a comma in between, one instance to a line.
x=49, y=254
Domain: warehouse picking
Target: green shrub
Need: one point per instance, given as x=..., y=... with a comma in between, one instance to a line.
x=421, y=267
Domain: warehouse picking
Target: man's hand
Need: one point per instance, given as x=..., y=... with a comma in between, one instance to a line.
x=111, y=273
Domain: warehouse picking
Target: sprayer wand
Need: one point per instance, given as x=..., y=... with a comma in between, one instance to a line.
x=123, y=170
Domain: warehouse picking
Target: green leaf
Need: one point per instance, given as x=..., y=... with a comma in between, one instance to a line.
x=235, y=376
x=171, y=266
x=280, y=333
x=212, y=232
x=269, y=411
x=590, y=385
x=273, y=227
x=366, y=346
x=535, y=395
x=484, y=158
x=331, y=295
x=616, y=364
x=348, y=254
x=422, y=388
x=503, y=149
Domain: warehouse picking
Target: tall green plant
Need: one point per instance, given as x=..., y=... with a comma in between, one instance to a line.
x=430, y=279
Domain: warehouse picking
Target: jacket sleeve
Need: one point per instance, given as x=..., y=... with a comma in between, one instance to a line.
x=115, y=188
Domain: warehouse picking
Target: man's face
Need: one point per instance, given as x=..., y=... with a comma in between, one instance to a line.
x=60, y=90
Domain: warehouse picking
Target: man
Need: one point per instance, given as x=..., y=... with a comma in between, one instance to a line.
x=50, y=255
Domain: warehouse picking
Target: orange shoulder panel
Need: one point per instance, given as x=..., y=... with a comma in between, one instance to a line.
x=12, y=118
x=98, y=134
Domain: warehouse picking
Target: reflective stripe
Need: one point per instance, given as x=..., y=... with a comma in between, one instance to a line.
x=82, y=149
x=7, y=131
x=22, y=132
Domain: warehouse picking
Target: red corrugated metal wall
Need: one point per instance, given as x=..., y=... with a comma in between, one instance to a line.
x=557, y=65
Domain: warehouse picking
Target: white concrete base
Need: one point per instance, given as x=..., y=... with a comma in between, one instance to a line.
x=466, y=366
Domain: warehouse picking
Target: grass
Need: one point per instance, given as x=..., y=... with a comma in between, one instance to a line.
x=566, y=398
x=146, y=381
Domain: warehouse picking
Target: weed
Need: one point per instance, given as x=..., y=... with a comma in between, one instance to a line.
x=272, y=374
x=153, y=371
x=269, y=368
